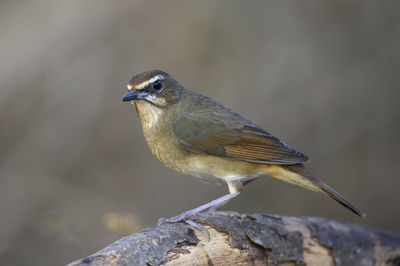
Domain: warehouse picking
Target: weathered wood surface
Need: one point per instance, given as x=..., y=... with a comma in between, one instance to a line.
x=253, y=239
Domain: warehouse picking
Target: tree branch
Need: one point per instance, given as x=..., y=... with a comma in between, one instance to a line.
x=253, y=239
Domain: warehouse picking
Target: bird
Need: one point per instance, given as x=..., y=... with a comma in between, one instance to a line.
x=197, y=136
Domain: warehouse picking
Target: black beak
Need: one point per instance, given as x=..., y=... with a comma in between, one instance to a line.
x=134, y=95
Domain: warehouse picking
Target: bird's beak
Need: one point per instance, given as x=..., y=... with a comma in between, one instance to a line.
x=134, y=95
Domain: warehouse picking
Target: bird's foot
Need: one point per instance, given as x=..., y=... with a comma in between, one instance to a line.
x=213, y=205
x=199, y=227
x=175, y=219
x=178, y=218
x=183, y=217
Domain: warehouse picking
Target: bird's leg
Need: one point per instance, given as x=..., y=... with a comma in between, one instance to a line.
x=217, y=207
x=235, y=186
x=184, y=215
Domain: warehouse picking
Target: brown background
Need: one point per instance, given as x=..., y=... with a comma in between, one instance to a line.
x=75, y=172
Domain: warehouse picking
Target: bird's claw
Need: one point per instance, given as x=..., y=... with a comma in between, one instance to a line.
x=177, y=219
x=199, y=227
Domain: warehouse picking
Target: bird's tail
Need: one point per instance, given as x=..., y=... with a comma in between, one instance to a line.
x=298, y=174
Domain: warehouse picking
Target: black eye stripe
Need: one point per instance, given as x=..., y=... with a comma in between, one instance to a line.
x=157, y=85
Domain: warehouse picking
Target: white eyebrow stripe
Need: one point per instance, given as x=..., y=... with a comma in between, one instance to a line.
x=144, y=83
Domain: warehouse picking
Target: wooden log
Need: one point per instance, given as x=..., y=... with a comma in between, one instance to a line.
x=253, y=239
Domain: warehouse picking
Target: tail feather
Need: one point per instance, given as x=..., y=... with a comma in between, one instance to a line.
x=304, y=172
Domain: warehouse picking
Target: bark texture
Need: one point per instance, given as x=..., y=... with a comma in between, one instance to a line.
x=253, y=239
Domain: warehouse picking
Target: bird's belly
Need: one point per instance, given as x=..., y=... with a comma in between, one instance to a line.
x=208, y=168
x=215, y=169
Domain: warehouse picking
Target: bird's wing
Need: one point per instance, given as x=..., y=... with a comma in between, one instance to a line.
x=239, y=140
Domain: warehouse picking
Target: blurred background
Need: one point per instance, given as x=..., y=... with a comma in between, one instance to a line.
x=75, y=171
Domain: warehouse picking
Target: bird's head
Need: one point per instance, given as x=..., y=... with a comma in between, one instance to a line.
x=155, y=87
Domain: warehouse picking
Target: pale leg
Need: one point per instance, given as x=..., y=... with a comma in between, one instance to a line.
x=184, y=215
x=235, y=186
x=216, y=207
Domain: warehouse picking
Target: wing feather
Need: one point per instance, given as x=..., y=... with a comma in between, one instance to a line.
x=241, y=140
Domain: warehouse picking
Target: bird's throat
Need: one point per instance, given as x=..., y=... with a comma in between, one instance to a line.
x=149, y=115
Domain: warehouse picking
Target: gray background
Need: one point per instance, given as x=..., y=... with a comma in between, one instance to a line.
x=75, y=172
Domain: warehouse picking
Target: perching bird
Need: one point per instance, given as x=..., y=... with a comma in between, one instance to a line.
x=195, y=135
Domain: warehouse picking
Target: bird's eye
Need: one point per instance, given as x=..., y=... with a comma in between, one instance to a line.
x=157, y=85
